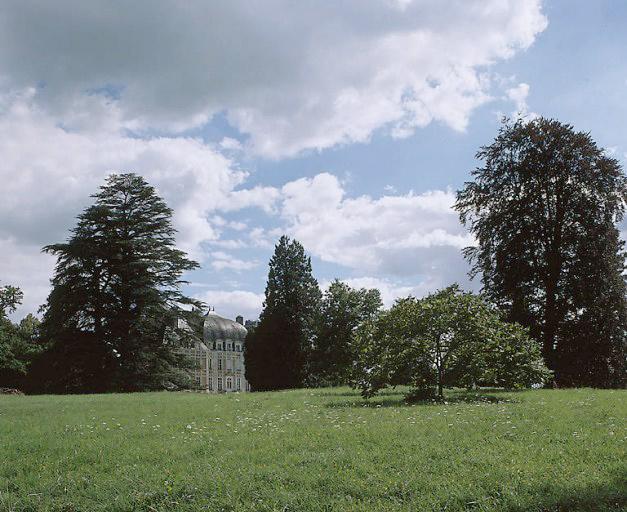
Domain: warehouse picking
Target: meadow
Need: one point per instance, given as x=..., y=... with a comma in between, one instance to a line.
x=310, y=450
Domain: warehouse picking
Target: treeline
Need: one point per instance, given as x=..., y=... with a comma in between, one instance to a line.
x=543, y=206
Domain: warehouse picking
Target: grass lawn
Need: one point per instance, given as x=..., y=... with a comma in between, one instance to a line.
x=323, y=449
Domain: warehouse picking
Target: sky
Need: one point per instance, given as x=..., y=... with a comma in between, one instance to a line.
x=348, y=125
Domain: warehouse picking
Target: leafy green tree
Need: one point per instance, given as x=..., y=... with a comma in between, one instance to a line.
x=10, y=298
x=17, y=342
x=544, y=207
x=115, y=295
x=342, y=310
x=279, y=350
x=449, y=338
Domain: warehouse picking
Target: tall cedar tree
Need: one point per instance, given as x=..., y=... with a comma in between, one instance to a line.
x=544, y=208
x=115, y=295
x=342, y=311
x=278, y=351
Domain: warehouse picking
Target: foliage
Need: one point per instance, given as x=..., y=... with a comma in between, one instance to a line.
x=449, y=338
x=10, y=298
x=314, y=450
x=278, y=351
x=342, y=310
x=544, y=208
x=116, y=292
x=18, y=344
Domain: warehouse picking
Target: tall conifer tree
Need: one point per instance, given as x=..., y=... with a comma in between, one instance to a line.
x=279, y=350
x=115, y=292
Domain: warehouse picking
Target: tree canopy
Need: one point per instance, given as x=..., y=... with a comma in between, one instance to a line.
x=18, y=344
x=449, y=338
x=342, y=311
x=278, y=351
x=544, y=207
x=115, y=293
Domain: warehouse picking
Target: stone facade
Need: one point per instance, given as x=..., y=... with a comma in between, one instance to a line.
x=220, y=366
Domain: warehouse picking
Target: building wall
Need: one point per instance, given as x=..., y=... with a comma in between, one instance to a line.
x=220, y=370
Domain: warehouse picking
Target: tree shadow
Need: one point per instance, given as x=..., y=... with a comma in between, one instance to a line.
x=355, y=393
x=397, y=399
x=607, y=496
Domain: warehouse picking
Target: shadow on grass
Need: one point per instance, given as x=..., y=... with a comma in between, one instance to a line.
x=608, y=496
x=397, y=399
x=355, y=393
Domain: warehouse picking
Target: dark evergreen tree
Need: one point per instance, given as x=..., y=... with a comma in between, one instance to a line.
x=342, y=310
x=115, y=296
x=544, y=208
x=279, y=350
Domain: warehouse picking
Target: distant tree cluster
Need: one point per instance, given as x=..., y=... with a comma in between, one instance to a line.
x=18, y=344
x=304, y=337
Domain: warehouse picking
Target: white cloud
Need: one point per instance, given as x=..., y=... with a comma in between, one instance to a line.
x=222, y=260
x=22, y=264
x=292, y=76
x=229, y=304
x=48, y=173
x=518, y=95
x=403, y=235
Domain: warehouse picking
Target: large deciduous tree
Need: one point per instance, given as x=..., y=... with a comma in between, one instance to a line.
x=449, y=338
x=115, y=295
x=342, y=311
x=544, y=207
x=279, y=350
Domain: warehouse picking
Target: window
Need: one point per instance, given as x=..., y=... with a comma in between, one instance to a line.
x=219, y=363
x=219, y=383
x=239, y=384
x=210, y=361
x=238, y=347
x=229, y=383
x=229, y=364
x=228, y=346
x=210, y=384
x=219, y=346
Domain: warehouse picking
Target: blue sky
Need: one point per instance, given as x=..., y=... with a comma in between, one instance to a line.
x=348, y=125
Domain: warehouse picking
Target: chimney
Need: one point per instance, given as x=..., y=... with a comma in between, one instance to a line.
x=239, y=319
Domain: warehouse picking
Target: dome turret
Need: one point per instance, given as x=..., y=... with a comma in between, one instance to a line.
x=217, y=328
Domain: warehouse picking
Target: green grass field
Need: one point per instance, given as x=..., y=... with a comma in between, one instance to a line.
x=322, y=449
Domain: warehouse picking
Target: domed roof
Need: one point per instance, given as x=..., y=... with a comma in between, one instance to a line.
x=217, y=328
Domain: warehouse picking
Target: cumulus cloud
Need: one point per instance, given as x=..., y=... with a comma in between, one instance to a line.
x=518, y=95
x=222, y=260
x=403, y=235
x=48, y=173
x=291, y=76
x=235, y=302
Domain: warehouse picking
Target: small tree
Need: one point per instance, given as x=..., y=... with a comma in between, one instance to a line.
x=342, y=310
x=17, y=342
x=449, y=338
x=278, y=352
